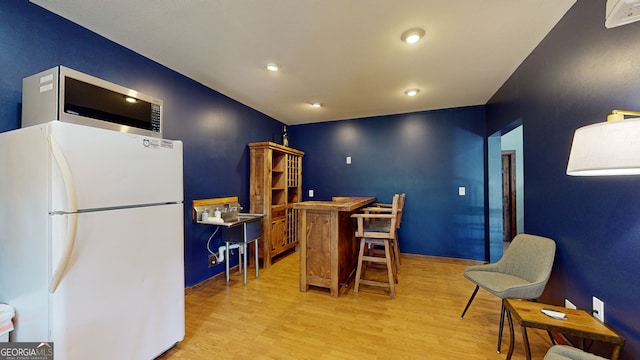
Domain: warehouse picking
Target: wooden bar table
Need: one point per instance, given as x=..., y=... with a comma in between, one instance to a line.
x=328, y=250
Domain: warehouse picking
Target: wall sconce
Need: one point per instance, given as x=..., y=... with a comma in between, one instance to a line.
x=608, y=148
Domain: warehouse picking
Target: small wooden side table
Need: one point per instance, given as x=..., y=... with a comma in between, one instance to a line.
x=578, y=323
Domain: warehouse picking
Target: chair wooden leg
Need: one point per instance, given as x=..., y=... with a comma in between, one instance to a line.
x=359, y=268
x=394, y=264
x=368, y=251
x=396, y=252
x=392, y=259
x=365, y=257
x=390, y=272
x=470, y=300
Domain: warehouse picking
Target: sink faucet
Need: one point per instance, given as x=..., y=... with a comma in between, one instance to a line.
x=231, y=208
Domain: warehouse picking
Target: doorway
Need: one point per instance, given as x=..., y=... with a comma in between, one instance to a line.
x=509, y=209
x=499, y=220
x=512, y=142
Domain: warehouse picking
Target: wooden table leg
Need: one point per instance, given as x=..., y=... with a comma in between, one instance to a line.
x=302, y=228
x=616, y=352
x=334, y=254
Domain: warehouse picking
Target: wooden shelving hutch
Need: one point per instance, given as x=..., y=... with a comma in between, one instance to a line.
x=276, y=183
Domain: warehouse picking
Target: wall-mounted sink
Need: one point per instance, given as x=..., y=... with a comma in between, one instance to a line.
x=231, y=220
x=229, y=212
x=242, y=218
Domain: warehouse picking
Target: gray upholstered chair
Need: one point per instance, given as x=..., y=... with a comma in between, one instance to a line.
x=563, y=352
x=521, y=273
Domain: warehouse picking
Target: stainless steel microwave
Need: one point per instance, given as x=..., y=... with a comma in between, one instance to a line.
x=68, y=95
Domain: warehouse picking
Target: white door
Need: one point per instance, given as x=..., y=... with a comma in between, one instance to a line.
x=122, y=296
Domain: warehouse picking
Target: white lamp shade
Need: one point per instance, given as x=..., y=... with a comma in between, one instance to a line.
x=608, y=148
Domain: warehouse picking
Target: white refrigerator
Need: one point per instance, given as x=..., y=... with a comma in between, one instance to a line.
x=91, y=240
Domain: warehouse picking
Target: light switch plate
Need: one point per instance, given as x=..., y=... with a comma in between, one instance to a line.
x=462, y=191
x=310, y=193
x=348, y=160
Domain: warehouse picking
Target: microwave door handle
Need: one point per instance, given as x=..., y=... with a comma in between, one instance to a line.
x=72, y=219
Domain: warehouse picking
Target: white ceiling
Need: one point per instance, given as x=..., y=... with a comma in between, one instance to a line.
x=346, y=54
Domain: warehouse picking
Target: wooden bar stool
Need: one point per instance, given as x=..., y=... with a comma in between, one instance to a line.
x=377, y=229
x=386, y=208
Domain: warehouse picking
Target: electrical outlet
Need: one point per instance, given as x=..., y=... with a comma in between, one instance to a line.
x=569, y=305
x=310, y=193
x=598, y=309
x=212, y=260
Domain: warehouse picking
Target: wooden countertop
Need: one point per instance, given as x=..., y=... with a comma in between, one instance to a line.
x=339, y=203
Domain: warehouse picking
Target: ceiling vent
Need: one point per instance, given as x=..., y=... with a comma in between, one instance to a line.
x=621, y=12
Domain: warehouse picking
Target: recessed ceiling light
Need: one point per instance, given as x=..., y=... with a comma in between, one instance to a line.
x=316, y=104
x=129, y=99
x=412, y=92
x=412, y=36
x=273, y=67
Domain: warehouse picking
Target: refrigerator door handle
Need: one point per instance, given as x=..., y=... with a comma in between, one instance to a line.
x=72, y=222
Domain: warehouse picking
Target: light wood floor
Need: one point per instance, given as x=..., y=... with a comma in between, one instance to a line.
x=271, y=319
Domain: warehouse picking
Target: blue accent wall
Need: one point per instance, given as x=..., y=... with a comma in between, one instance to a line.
x=575, y=77
x=215, y=129
x=427, y=155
